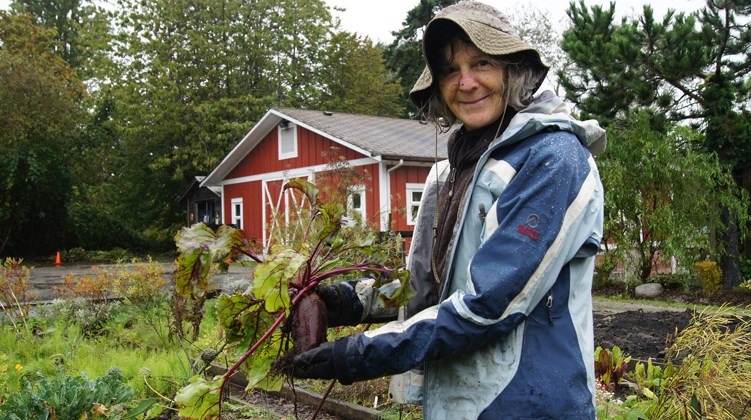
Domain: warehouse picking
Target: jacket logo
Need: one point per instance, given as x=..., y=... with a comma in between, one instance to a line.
x=533, y=221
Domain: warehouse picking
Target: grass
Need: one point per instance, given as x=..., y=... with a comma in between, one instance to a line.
x=673, y=305
x=72, y=338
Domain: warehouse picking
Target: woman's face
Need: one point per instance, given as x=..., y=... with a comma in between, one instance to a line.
x=472, y=85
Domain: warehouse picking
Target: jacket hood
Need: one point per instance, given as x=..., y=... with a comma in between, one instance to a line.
x=548, y=110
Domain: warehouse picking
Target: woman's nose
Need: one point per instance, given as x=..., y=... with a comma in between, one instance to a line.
x=467, y=80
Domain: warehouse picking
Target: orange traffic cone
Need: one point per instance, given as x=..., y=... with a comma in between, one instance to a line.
x=57, y=258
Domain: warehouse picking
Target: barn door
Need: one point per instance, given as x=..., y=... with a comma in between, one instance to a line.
x=285, y=212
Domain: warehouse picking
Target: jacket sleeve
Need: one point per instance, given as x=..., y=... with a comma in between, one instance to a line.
x=550, y=209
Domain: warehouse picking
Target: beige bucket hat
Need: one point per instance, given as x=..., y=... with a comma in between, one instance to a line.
x=487, y=28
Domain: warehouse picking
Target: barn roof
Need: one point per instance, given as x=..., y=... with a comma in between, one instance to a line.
x=390, y=138
x=380, y=138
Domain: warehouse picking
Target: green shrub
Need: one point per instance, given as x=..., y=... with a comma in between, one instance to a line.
x=112, y=256
x=75, y=255
x=66, y=397
x=604, y=269
x=679, y=281
x=745, y=266
x=710, y=277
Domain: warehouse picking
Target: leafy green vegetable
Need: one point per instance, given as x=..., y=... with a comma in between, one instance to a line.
x=200, y=398
x=290, y=271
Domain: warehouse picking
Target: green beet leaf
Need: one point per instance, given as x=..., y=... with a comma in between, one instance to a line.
x=272, y=277
x=194, y=263
x=201, y=253
x=259, y=376
x=234, y=312
x=199, y=399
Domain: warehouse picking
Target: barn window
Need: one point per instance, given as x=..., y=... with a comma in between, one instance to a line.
x=287, y=140
x=414, y=196
x=237, y=212
x=356, y=203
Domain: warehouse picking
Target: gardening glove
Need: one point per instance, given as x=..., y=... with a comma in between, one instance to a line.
x=326, y=361
x=343, y=307
x=317, y=363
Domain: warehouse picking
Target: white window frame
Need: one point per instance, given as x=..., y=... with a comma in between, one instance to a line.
x=413, y=188
x=357, y=190
x=237, y=217
x=284, y=131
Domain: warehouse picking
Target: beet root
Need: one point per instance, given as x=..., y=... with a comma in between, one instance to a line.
x=309, y=323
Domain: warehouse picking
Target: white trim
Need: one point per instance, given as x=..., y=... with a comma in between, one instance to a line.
x=234, y=216
x=268, y=231
x=294, y=173
x=357, y=190
x=225, y=215
x=384, y=188
x=280, y=135
x=409, y=189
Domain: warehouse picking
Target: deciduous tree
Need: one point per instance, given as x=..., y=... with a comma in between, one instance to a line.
x=356, y=79
x=39, y=111
x=196, y=77
x=661, y=195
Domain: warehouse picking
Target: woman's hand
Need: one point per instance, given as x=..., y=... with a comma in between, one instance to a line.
x=317, y=363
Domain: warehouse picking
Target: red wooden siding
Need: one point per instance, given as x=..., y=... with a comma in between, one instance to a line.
x=312, y=149
x=250, y=192
x=399, y=180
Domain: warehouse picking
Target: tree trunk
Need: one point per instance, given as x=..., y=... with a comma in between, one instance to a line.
x=729, y=237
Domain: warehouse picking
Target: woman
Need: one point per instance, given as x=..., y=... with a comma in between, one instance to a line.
x=502, y=259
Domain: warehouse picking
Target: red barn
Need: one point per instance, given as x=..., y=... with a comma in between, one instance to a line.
x=394, y=155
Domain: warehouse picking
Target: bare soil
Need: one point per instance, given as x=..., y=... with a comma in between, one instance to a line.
x=640, y=334
x=648, y=332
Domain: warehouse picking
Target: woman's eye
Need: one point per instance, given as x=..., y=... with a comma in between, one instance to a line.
x=448, y=70
x=483, y=64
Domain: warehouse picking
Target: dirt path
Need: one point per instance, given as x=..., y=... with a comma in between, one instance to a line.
x=44, y=279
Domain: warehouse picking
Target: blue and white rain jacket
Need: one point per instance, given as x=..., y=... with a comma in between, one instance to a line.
x=512, y=336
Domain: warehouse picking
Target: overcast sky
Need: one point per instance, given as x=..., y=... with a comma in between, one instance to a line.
x=378, y=18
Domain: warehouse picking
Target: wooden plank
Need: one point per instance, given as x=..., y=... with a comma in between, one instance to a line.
x=342, y=409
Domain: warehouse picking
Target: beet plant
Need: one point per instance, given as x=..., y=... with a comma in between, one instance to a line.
x=280, y=314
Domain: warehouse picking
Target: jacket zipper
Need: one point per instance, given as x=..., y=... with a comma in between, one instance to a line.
x=549, y=304
x=452, y=178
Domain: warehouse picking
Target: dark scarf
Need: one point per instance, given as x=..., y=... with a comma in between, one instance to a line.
x=464, y=149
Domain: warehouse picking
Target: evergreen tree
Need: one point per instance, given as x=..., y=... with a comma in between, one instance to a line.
x=684, y=67
x=405, y=52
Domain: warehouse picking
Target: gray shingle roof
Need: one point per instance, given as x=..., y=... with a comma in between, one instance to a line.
x=390, y=138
